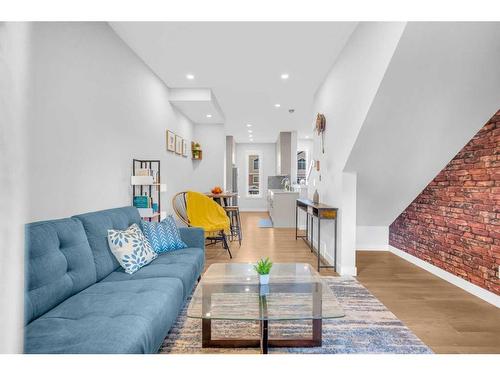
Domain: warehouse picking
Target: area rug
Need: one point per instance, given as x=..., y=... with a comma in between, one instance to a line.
x=265, y=223
x=367, y=328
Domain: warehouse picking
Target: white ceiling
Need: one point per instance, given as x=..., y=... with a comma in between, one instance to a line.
x=242, y=63
x=199, y=105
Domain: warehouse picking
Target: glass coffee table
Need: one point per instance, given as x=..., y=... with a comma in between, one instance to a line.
x=231, y=291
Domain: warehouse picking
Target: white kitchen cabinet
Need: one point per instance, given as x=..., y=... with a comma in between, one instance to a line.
x=281, y=207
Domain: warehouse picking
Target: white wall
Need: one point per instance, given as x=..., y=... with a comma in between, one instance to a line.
x=293, y=157
x=15, y=39
x=441, y=87
x=372, y=237
x=268, y=152
x=230, y=160
x=306, y=145
x=95, y=106
x=345, y=98
x=209, y=171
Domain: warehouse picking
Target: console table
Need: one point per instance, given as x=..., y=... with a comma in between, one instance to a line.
x=321, y=212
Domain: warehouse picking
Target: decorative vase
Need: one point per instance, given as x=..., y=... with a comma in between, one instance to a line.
x=316, y=197
x=264, y=279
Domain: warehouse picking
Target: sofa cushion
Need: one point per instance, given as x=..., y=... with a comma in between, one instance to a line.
x=185, y=265
x=193, y=237
x=131, y=316
x=59, y=264
x=190, y=255
x=96, y=226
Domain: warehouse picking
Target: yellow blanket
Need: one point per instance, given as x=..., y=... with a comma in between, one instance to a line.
x=205, y=213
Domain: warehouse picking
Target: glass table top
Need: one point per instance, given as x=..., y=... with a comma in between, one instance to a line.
x=231, y=291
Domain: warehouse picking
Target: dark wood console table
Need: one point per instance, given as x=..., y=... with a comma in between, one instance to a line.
x=321, y=212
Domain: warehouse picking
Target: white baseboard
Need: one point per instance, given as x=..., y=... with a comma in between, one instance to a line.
x=342, y=271
x=372, y=248
x=329, y=259
x=445, y=275
x=347, y=271
x=250, y=209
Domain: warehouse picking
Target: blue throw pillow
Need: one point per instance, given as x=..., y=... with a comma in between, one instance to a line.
x=163, y=236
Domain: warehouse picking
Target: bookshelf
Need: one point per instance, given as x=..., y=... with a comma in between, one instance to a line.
x=147, y=188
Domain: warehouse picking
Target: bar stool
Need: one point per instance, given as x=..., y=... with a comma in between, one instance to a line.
x=234, y=217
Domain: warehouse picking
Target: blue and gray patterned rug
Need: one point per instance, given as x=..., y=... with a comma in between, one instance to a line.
x=367, y=328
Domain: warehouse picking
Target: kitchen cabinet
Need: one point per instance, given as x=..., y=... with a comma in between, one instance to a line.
x=281, y=207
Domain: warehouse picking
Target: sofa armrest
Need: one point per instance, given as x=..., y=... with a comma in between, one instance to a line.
x=193, y=237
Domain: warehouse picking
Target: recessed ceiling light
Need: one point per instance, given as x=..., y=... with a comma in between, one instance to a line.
x=307, y=136
x=190, y=76
x=277, y=105
x=250, y=130
x=249, y=125
x=209, y=115
x=251, y=140
x=284, y=76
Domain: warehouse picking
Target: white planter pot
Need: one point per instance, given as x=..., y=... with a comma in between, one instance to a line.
x=264, y=279
x=264, y=289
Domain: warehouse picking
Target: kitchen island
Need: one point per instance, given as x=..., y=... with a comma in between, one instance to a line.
x=281, y=207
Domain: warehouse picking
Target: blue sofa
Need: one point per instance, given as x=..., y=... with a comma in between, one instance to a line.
x=79, y=300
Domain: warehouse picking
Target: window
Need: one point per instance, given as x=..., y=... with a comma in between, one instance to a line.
x=301, y=166
x=253, y=178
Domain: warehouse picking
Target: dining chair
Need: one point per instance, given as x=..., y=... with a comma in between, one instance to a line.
x=179, y=204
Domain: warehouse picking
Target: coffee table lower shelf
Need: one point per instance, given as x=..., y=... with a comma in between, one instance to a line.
x=264, y=342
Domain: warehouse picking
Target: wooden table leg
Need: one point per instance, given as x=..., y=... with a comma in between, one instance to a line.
x=264, y=336
x=317, y=329
x=206, y=333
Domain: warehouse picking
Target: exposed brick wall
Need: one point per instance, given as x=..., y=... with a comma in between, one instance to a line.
x=454, y=223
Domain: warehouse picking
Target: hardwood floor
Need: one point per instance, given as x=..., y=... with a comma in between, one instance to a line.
x=278, y=244
x=446, y=318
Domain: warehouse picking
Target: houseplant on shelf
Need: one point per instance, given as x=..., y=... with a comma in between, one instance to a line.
x=263, y=267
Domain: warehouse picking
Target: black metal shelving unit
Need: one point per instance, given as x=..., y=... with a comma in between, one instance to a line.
x=152, y=190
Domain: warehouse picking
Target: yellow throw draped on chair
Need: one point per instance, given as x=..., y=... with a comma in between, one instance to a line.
x=205, y=213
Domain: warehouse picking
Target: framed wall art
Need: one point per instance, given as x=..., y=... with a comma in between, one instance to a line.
x=170, y=141
x=178, y=145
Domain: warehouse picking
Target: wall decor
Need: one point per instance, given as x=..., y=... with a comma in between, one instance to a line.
x=196, y=151
x=178, y=145
x=184, y=147
x=320, y=128
x=170, y=141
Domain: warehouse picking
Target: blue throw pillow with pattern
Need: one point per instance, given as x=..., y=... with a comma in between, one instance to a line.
x=163, y=236
x=130, y=248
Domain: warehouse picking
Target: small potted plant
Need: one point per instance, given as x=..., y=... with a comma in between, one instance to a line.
x=263, y=267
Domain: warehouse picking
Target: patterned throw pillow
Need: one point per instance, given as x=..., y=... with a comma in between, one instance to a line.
x=163, y=236
x=130, y=248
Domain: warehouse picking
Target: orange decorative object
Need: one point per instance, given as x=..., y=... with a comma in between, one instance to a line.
x=217, y=190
